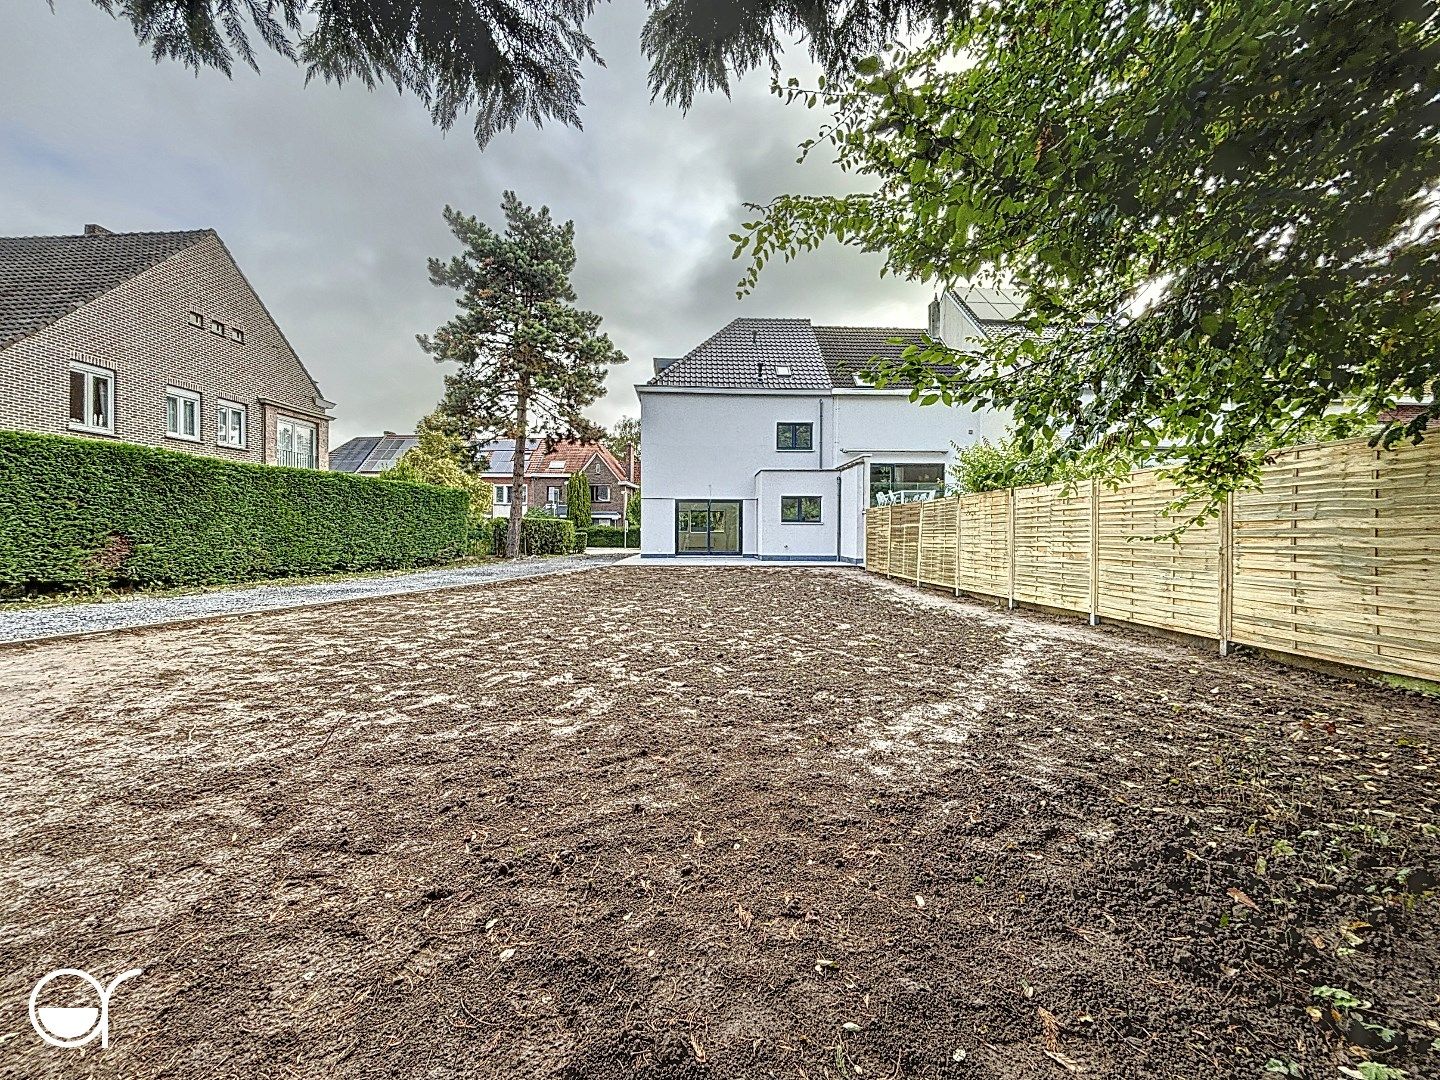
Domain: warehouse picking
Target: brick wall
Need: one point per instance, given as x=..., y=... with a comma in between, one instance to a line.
x=538, y=487
x=141, y=331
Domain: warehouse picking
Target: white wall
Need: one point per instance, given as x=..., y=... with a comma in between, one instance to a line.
x=779, y=538
x=874, y=421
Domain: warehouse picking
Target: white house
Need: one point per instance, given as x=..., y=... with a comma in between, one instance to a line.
x=765, y=441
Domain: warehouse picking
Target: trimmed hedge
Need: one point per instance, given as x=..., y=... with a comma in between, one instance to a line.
x=612, y=536
x=538, y=535
x=582, y=539
x=77, y=512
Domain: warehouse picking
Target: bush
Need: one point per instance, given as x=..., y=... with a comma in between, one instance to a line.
x=538, y=535
x=612, y=536
x=582, y=539
x=81, y=512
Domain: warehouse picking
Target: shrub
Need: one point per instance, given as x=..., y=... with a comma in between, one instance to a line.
x=538, y=536
x=611, y=536
x=577, y=499
x=582, y=539
x=85, y=512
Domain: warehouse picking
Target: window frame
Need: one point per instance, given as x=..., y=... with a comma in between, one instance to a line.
x=502, y=494
x=224, y=405
x=196, y=319
x=799, y=502
x=181, y=395
x=237, y=335
x=795, y=427
x=217, y=328
x=595, y=489
x=295, y=424
x=91, y=373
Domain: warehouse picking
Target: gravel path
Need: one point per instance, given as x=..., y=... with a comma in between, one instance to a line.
x=151, y=611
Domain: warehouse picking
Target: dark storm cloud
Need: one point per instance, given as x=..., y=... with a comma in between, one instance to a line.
x=330, y=197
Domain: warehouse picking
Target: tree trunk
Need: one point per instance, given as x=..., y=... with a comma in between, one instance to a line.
x=517, y=473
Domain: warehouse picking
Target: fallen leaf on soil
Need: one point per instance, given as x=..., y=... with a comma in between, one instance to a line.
x=1240, y=898
x=1061, y=1059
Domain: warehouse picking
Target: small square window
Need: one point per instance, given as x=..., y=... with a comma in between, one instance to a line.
x=794, y=436
x=196, y=319
x=800, y=509
x=237, y=335
x=600, y=493
x=217, y=327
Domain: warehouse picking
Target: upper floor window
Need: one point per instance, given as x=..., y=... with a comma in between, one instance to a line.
x=182, y=413
x=217, y=327
x=230, y=423
x=502, y=494
x=794, y=436
x=237, y=335
x=599, y=493
x=198, y=320
x=800, y=509
x=552, y=494
x=295, y=443
x=92, y=398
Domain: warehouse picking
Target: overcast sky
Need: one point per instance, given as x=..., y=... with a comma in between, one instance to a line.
x=330, y=197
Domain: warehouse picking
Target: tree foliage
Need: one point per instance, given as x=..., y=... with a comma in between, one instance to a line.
x=1223, y=214
x=529, y=361
x=510, y=60
x=623, y=437
x=577, y=500
x=440, y=458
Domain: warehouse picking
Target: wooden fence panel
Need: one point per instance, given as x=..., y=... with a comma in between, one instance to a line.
x=984, y=557
x=877, y=539
x=1173, y=585
x=1338, y=557
x=905, y=541
x=938, y=548
x=1052, y=547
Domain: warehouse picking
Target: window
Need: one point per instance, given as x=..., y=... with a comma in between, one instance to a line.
x=237, y=335
x=230, y=425
x=182, y=414
x=794, y=436
x=800, y=509
x=502, y=494
x=782, y=371
x=599, y=493
x=552, y=494
x=92, y=398
x=916, y=482
x=197, y=320
x=217, y=327
x=295, y=442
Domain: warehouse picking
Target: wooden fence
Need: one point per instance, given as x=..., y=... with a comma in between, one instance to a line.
x=1335, y=557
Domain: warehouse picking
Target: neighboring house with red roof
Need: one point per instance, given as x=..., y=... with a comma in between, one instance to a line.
x=154, y=338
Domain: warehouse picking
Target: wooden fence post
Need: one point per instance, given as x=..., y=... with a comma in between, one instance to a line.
x=958, y=511
x=1094, y=552
x=1227, y=572
x=1010, y=540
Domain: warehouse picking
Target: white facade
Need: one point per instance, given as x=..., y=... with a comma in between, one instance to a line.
x=719, y=450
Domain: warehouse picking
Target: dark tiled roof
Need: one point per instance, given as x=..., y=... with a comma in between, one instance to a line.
x=45, y=277
x=849, y=350
x=753, y=353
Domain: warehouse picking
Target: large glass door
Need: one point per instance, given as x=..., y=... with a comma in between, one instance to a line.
x=707, y=527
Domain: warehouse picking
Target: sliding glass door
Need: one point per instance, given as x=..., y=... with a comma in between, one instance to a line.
x=707, y=527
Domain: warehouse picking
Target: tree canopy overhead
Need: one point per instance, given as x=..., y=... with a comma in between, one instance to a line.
x=1223, y=213
x=511, y=60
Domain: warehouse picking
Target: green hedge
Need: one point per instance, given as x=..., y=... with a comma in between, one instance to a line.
x=538, y=536
x=77, y=512
x=582, y=539
x=612, y=536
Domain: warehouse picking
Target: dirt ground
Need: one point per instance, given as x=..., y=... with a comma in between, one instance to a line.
x=713, y=822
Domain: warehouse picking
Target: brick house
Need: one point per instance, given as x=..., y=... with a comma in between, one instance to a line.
x=151, y=338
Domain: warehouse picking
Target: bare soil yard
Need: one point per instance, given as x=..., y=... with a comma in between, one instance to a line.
x=712, y=822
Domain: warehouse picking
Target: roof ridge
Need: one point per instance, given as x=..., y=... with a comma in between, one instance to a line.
x=112, y=235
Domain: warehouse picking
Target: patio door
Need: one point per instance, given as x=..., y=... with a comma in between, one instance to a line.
x=707, y=527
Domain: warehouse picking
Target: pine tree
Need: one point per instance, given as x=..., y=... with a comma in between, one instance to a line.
x=529, y=360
